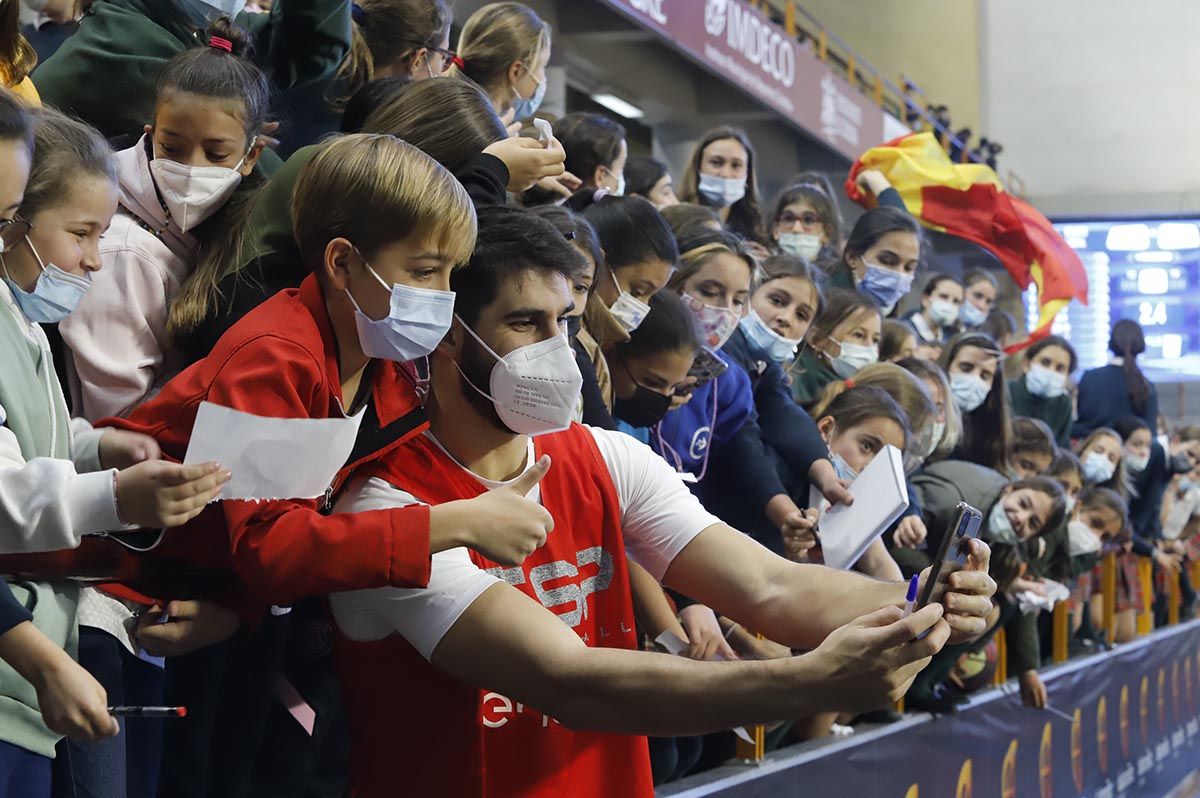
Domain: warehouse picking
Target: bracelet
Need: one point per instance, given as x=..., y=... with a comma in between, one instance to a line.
x=731, y=630
x=117, y=504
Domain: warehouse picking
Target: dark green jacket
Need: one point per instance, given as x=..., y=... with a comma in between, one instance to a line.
x=105, y=73
x=810, y=376
x=1056, y=412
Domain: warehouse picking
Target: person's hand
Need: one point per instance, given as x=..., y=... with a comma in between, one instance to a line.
x=1168, y=562
x=968, y=596
x=911, y=532
x=1173, y=547
x=1032, y=585
x=161, y=494
x=191, y=625
x=799, y=533
x=528, y=160
x=502, y=524
x=705, y=640
x=824, y=476
x=872, y=181
x=871, y=661
x=121, y=449
x=564, y=185
x=1033, y=690
x=72, y=702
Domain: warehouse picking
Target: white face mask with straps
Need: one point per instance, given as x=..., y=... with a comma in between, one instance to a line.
x=534, y=388
x=194, y=193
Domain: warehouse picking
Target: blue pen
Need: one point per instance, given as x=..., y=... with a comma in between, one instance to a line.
x=910, y=600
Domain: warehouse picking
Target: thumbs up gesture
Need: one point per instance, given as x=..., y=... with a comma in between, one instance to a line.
x=505, y=526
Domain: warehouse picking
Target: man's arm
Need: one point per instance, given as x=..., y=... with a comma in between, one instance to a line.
x=534, y=658
x=800, y=604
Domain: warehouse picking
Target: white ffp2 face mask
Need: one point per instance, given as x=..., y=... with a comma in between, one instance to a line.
x=535, y=388
x=194, y=193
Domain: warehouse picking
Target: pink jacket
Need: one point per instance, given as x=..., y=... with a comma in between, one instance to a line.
x=119, y=353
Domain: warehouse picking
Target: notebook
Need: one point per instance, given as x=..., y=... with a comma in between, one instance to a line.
x=880, y=496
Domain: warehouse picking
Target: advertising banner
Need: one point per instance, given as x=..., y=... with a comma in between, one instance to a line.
x=736, y=42
x=1133, y=733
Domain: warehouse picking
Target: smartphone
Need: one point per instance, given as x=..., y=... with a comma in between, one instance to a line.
x=707, y=366
x=953, y=553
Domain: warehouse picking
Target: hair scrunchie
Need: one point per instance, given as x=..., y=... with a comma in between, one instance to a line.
x=357, y=14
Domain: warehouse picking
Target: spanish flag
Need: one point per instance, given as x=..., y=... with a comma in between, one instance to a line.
x=969, y=201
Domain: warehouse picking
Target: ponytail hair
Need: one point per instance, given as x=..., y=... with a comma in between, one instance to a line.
x=495, y=37
x=222, y=70
x=387, y=33
x=1128, y=341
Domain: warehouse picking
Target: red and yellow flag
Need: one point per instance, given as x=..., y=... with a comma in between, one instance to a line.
x=969, y=201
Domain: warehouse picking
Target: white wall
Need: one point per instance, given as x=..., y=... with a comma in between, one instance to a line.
x=1097, y=102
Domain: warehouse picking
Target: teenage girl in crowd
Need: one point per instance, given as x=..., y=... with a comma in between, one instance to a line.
x=596, y=150
x=650, y=179
x=1031, y=448
x=639, y=256
x=973, y=363
x=1119, y=389
x=897, y=342
x=980, y=291
x=1149, y=473
x=842, y=339
x=475, y=149
x=183, y=188
x=49, y=239
x=936, y=320
x=881, y=257
x=721, y=175
x=807, y=222
x=1041, y=391
x=504, y=48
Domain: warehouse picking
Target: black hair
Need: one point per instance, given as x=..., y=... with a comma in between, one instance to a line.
x=935, y=279
x=574, y=227
x=1128, y=341
x=642, y=175
x=1065, y=462
x=892, y=339
x=999, y=324
x=1049, y=341
x=1127, y=425
x=1033, y=436
x=366, y=100
x=15, y=122
x=668, y=327
x=986, y=429
x=874, y=225
x=857, y=405
x=1004, y=565
x=631, y=230
x=591, y=141
x=510, y=242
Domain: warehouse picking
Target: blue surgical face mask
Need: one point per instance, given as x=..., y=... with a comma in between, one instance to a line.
x=765, y=343
x=999, y=526
x=971, y=315
x=969, y=391
x=525, y=107
x=55, y=294
x=885, y=286
x=416, y=323
x=841, y=467
x=721, y=192
x=1041, y=381
x=1097, y=468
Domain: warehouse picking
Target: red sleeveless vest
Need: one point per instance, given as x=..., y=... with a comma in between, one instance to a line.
x=417, y=731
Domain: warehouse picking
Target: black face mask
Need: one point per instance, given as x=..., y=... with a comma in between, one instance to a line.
x=644, y=409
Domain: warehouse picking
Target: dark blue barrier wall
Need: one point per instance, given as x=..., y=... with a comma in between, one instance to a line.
x=1134, y=733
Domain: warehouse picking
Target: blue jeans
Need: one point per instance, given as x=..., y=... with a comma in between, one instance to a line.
x=125, y=766
x=23, y=774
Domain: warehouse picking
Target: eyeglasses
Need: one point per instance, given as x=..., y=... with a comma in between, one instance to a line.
x=13, y=232
x=449, y=57
x=808, y=219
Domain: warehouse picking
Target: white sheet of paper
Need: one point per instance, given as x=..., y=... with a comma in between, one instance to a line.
x=880, y=496
x=271, y=458
x=545, y=132
x=674, y=644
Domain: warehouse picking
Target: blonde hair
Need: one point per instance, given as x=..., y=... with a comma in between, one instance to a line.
x=385, y=33
x=931, y=372
x=374, y=189
x=497, y=35
x=908, y=391
x=697, y=248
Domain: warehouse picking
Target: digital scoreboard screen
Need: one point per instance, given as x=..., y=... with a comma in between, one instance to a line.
x=1146, y=270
